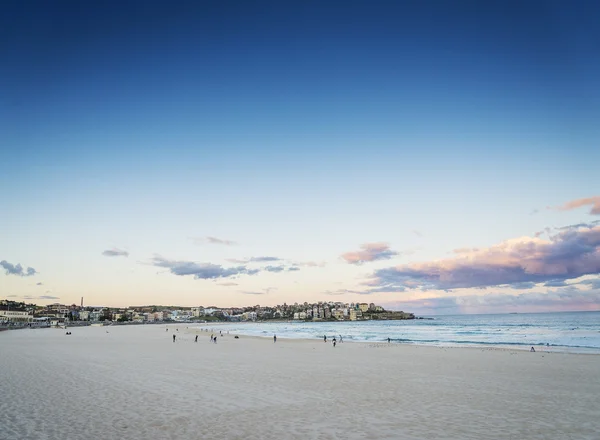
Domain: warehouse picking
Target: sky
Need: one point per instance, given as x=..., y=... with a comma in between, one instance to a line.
x=432, y=157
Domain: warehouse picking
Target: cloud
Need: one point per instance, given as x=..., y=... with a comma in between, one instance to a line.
x=11, y=296
x=228, y=283
x=254, y=260
x=594, y=283
x=558, y=299
x=17, y=269
x=523, y=285
x=30, y=297
x=310, y=264
x=39, y=284
x=369, y=252
x=114, y=252
x=214, y=240
x=341, y=292
x=274, y=268
x=201, y=271
x=555, y=283
x=578, y=203
x=261, y=292
x=565, y=255
x=417, y=233
x=293, y=268
x=534, y=211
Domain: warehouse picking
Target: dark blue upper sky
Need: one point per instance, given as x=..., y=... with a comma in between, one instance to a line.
x=286, y=69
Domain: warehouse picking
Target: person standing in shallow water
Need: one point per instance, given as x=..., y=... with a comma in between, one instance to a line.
x=274, y=338
x=324, y=338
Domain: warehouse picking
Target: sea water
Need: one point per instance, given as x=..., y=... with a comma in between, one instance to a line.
x=566, y=332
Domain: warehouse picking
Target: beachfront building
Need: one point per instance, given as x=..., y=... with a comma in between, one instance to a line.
x=363, y=307
x=249, y=316
x=7, y=315
x=197, y=311
x=84, y=315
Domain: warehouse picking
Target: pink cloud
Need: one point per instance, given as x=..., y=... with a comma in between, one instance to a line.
x=369, y=252
x=574, y=204
x=569, y=254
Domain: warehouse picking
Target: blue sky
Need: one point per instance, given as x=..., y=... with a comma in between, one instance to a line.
x=300, y=131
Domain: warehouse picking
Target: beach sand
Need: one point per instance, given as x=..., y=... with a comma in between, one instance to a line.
x=135, y=383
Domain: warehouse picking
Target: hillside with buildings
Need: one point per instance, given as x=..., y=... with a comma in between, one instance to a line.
x=59, y=314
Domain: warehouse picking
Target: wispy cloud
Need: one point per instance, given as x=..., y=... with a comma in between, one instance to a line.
x=213, y=240
x=39, y=284
x=115, y=252
x=417, y=233
x=228, y=284
x=293, y=268
x=309, y=263
x=201, y=271
x=578, y=203
x=258, y=292
x=565, y=255
x=17, y=269
x=274, y=268
x=369, y=252
x=342, y=292
x=254, y=260
x=30, y=297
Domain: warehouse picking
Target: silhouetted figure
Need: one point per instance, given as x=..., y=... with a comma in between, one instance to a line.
x=196, y=340
x=324, y=338
x=174, y=338
x=274, y=338
x=215, y=340
x=532, y=350
x=166, y=329
x=389, y=340
x=341, y=340
x=334, y=343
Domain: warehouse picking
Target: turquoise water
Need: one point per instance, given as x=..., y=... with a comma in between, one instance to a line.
x=569, y=331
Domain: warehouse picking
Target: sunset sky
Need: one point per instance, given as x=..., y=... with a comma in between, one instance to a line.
x=435, y=157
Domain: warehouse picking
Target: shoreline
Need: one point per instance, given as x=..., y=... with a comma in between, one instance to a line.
x=489, y=347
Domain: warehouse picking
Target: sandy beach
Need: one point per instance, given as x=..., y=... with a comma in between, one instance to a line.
x=135, y=383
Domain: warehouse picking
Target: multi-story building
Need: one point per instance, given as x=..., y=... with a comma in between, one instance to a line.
x=7, y=315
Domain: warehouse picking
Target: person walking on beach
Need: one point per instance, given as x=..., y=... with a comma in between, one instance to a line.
x=212, y=337
x=215, y=340
x=196, y=340
x=274, y=338
x=341, y=340
x=389, y=340
x=334, y=342
x=173, y=338
x=324, y=338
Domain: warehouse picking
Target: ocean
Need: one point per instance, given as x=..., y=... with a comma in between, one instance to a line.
x=576, y=332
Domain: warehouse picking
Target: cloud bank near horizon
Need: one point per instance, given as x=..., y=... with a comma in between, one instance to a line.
x=566, y=255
